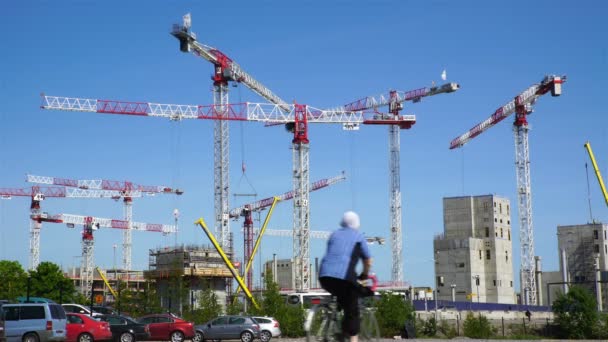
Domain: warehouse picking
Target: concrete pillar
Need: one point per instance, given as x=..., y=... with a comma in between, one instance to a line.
x=316, y=278
x=274, y=268
x=598, y=285
x=453, y=286
x=539, y=281
x=565, y=271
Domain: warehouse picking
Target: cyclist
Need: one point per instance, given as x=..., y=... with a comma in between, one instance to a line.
x=338, y=270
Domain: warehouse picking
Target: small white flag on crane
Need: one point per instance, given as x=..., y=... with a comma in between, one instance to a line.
x=444, y=75
x=187, y=21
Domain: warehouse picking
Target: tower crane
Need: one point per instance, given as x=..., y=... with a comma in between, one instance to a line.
x=521, y=105
x=296, y=115
x=90, y=224
x=394, y=100
x=125, y=188
x=246, y=211
x=38, y=194
x=225, y=70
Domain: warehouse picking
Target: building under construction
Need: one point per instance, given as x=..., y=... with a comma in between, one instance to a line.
x=182, y=273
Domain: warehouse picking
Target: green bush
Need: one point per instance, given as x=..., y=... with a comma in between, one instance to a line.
x=576, y=314
x=477, y=326
x=392, y=312
x=429, y=328
x=446, y=329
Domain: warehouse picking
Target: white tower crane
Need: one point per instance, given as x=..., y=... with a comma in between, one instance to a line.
x=38, y=194
x=124, y=188
x=522, y=106
x=91, y=224
x=394, y=100
x=226, y=70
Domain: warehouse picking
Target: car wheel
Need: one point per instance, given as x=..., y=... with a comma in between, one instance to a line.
x=198, y=336
x=31, y=337
x=265, y=336
x=177, y=336
x=246, y=336
x=85, y=338
x=126, y=337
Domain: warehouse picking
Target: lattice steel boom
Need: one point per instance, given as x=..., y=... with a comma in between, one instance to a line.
x=521, y=105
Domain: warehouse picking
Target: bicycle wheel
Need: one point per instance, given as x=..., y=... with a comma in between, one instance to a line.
x=321, y=325
x=369, y=326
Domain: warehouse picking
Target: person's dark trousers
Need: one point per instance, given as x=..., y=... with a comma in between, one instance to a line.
x=348, y=299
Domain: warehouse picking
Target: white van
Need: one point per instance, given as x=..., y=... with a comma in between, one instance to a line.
x=37, y=322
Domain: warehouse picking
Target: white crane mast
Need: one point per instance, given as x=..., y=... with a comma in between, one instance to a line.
x=521, y=105
x=394, y=100
x=226, y=70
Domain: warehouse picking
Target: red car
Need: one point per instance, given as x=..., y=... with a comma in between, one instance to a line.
x=168, y=327
x=83, y=328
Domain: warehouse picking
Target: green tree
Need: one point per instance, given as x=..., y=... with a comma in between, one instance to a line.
x=48, y=281
x=429, y=328
x=392, y=313
x=477, y=326
x=209, y=307
x=576, y=313
x=235, y=307
x=14, y=280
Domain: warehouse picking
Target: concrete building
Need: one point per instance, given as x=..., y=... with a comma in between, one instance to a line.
x=133, y=280
x=473, y=257
x=197, y=267
x=284, y=273
x=583, y=251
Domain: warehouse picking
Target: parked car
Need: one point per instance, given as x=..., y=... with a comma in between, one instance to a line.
x=269, y=327
x=77, y=308
x=104, y=310
x=2, y=334
x=244, y=328
x=163, y=327
x=34, y=322
x=125, y=329
x=83, y=328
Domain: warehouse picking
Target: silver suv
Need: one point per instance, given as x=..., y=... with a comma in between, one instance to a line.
x=269, y=327
x=37, y=322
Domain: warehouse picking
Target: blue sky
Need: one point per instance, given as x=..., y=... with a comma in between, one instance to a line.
x=319, y=53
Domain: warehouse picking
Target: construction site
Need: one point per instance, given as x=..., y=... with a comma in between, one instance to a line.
x=476, y=241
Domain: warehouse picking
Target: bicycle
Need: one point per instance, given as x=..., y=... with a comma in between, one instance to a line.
x=323, y=321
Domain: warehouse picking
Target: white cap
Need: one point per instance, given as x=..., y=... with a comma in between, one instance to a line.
x=350, y=219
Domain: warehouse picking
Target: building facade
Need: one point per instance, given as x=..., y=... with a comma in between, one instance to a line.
x=583, y=251
x=284, y=273
x=473, y=257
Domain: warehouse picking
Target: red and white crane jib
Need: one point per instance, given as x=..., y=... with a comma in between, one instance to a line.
x=526, y=99
x=39, y=193
x=124, y=187
x=373, y=102
x=263, y=112
x=97, y=222
x=266, y=202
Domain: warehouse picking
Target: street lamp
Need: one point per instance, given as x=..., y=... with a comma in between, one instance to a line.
x=476, y=277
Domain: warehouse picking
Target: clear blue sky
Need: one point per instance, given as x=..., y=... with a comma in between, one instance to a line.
x=315, y=52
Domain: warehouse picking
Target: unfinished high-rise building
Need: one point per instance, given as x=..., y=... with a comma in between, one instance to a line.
x=583, y=251
x=473, y=256
x=182, y=273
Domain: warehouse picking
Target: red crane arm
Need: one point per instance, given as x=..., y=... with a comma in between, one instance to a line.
x=523, y=102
